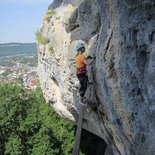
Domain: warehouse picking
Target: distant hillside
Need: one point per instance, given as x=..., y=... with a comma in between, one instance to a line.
x=12, y=49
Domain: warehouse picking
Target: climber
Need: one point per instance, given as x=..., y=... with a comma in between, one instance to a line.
x=81, y=63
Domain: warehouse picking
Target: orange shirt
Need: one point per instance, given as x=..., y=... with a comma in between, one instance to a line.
x=80, y=61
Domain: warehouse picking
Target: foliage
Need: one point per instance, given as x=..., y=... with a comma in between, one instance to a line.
x=52, y=24
x=29, y=126
x=6, y=62
x=31, y=61
x=51, y=12
x=14, y=145
x=58, y=18
x=28, y=60
x=47, y=18
x=7, y=72
x=41, y=39
x=73, y=70
x=51, y=50
x=41, y=29
x=49, y=15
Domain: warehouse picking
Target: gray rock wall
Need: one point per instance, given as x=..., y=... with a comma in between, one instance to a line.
x=121, y=34
x=125, y=72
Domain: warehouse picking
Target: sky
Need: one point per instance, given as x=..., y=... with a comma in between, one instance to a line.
x=20, y=19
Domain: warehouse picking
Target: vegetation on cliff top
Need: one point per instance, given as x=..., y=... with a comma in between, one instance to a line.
x=49, y=15
x=41, y=39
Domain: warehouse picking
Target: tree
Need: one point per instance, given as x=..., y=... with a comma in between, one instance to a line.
x=29, y=126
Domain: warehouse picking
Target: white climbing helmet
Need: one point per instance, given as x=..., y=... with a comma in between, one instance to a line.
x=79, y=46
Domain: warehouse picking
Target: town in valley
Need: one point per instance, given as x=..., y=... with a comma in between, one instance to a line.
x=18, y=62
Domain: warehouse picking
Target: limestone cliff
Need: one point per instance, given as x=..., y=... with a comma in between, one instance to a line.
x=121, y=34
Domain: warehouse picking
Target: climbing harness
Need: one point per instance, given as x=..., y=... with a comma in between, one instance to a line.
x=81, y=70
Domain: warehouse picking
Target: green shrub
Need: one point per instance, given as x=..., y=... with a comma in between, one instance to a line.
x=49, y=15
x=52, y=24
x=74, y=69
x=44, y=40
x=7, y=72
x=13, y=145
x=38, y=36
x=47, y=18
x=41, y=39
x=41, y=30
x=51, y=12
x=51, y=50
x=58, y=18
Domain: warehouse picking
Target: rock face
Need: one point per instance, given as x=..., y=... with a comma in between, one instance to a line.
x=121, y=34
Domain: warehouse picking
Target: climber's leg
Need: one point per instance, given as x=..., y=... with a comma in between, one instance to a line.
x=83, y=86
